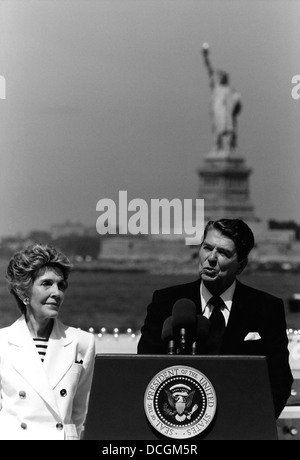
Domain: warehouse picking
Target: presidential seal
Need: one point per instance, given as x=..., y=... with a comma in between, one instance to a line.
x=180, y=402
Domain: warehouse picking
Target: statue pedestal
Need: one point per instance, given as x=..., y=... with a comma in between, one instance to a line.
x=224, y=186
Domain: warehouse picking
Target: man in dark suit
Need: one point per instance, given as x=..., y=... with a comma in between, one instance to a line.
x=253, y=321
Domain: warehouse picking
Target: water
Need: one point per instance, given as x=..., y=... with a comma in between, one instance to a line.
x=106, y=299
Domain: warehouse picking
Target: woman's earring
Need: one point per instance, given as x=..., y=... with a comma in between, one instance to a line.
x=26, y=301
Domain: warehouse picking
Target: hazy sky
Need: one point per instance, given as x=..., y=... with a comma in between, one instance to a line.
x=110, y=95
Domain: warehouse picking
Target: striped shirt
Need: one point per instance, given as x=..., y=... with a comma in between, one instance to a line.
x=41, y=346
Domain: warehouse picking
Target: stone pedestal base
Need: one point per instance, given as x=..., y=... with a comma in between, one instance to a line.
x=224, y=186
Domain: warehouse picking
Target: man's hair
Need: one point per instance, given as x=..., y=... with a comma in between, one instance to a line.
x=237, y=230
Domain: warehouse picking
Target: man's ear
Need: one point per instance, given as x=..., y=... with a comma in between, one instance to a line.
x=243, y=264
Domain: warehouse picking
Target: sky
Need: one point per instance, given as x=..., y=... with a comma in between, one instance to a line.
x=104, y=96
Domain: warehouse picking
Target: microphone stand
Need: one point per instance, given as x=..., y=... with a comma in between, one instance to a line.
x=182, y=342
x=194, y=349
x=171, y=347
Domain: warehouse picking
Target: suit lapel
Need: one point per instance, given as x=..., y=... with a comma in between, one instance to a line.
x=59, y=357
x=193, y=293
x=27, y=362
x=238, y=318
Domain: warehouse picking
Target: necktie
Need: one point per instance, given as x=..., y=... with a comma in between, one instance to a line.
x=217, y=326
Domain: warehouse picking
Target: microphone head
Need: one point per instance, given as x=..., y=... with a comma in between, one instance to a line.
x=184, y=314
x=167, y=329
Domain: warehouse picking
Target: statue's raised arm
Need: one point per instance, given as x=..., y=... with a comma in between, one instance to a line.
x=207, y=62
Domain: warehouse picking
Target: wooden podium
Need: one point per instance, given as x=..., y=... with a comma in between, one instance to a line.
x=146, y=397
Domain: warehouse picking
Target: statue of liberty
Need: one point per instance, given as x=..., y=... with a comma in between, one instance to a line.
x=225, y=106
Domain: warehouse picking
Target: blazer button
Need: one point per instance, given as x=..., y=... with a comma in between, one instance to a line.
x=63, y=392
x=23, y=426
x=59, y=426
x=22, y=394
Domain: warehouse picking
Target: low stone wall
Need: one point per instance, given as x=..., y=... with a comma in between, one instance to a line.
x=121, y=343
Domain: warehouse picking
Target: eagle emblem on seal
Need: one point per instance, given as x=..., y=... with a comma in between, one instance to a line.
x=180, y=402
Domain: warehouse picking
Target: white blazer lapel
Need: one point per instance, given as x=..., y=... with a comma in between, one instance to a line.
x=59, y=357
x=26, y=361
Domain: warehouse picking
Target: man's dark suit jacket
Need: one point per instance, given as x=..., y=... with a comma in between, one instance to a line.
x=252, y=311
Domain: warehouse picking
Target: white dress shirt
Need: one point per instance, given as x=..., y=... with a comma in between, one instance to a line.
x=226, y=296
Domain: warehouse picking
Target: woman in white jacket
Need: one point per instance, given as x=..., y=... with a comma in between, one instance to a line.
x=46, y=367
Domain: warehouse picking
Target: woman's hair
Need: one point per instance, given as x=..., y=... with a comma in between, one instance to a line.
x=26, y=265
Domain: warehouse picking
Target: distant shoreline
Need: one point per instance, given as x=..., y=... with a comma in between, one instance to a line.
x=176, y=267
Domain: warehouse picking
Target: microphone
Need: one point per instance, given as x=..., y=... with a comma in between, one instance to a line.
x=167, y=335
x=184, y=323
x=202, y=333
